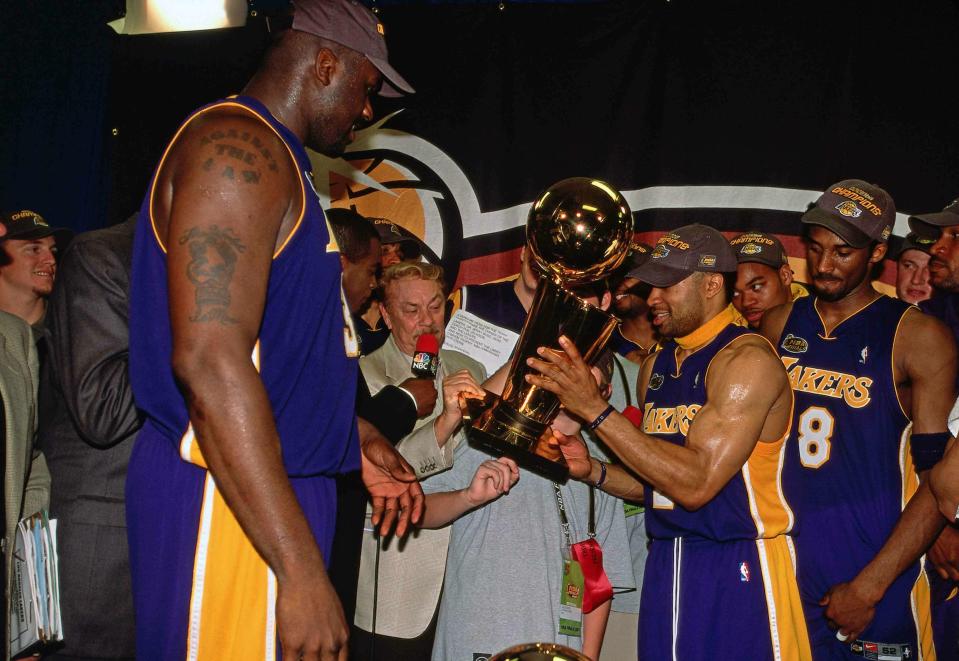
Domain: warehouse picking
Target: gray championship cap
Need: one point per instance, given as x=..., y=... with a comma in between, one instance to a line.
x=351, y=24
x=929, y=225
x=857, y=212
x=684, y=251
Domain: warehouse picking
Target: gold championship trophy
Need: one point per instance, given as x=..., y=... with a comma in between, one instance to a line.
x=578, y=232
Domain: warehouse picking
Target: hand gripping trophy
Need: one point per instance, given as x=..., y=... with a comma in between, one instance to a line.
x=578, y=232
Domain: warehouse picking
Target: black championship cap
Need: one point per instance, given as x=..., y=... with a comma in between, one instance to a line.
x=26, y=225
x=915, y=241
x=390, y=232
x=684, y=251
x=639, y=254
x=858, y=212
x=929, y=225
x=351, y=24
x=759, y=248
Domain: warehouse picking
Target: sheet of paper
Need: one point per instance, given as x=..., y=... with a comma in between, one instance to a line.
x=35, y=591
x=488, y=343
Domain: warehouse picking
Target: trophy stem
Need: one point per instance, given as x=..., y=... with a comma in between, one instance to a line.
x=501, y=430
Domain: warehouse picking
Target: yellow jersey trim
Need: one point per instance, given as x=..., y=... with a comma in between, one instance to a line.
x=166, y=152
x=828, y=332
x=708, y=330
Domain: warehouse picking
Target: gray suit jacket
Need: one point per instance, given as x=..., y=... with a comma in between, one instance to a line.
x=410, y=570
x=87, y=426
x=26, y=482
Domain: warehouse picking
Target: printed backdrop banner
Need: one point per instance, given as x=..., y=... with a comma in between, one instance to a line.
x=731, y=114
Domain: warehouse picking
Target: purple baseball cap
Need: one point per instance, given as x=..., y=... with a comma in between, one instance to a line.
x=684, y=251
x=351, y=24
x=929, y=225
x=855, y=211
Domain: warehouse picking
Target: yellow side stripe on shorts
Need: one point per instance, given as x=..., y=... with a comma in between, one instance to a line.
x=234, y=592
x=787, y=624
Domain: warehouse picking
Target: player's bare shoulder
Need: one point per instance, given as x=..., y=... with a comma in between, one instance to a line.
x=774, y=321
x=748, y=363
x=234, y=145
x=923, y=342
x=230, y=162
x=925, y=332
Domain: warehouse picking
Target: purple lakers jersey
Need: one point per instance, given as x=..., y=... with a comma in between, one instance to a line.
x=729, y=556
x=306, y=350
x=201, y=589
x=848, y=471
x=751, y=505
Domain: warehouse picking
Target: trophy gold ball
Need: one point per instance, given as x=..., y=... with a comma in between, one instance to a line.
x=578, y=232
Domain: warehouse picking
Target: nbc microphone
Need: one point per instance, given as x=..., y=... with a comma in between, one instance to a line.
x=426, y=358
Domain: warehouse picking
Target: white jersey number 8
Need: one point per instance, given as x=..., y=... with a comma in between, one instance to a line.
x=815, y=431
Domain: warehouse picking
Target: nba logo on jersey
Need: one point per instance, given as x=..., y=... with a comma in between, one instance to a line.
x=744, y=572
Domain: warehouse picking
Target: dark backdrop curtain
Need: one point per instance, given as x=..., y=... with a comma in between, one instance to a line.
x=641, y=94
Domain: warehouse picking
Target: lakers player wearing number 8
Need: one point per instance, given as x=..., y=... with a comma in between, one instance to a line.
x=874, y=381
x=720, y=582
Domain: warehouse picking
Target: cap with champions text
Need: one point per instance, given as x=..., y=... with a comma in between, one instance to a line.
x=390, y=232
x=759, y=248
x=929, y=225
x=351, y=24
x=27, y=225
x=639, y=254
x=857, y=212
x=684, y=251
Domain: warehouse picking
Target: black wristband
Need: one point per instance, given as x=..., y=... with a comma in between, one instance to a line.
x=927, y=449
x=602, y=416
x=602, y=475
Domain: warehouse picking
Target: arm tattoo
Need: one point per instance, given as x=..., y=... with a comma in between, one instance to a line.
x=213, y=255
x=226, y=153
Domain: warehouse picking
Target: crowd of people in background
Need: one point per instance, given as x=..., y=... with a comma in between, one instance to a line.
x=215, y=400
x=406, y=597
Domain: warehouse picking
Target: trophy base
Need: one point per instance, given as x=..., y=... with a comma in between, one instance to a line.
x=491, y=426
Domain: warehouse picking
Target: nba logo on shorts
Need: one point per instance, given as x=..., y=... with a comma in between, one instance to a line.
x=744, y=572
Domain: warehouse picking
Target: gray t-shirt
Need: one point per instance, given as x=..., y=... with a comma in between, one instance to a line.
x=505, y=563
x=625, y=376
